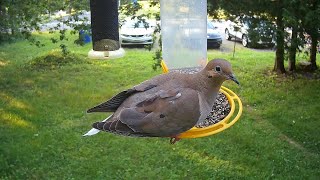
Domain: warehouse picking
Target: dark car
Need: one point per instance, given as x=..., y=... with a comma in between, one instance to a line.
x=214, y=39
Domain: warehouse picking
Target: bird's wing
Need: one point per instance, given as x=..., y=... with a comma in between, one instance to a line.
x=164, y=114
x=112, y=104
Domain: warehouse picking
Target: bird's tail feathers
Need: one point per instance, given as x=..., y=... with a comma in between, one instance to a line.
x=95, y=131
x=92, y=132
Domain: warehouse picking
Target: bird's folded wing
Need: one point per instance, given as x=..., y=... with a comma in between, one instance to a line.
x=160, y=115
x=112, y=104
x=139, y=118
x=133, y=120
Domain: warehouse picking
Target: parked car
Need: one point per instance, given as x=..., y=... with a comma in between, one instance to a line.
x=214, y=38
x=309, y=42
x=251, y=31
x=135, y=32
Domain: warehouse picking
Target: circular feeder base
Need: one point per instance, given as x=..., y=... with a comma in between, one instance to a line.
x=106, y=54
x=228, y=121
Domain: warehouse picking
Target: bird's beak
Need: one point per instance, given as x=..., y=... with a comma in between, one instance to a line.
x=233, y=78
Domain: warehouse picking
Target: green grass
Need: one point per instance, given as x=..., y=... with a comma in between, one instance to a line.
x=42, y=118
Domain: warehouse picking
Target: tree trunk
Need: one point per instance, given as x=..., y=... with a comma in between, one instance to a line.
x=279, y=60
x=313, y=51
x=2, y=9
x=293, y=48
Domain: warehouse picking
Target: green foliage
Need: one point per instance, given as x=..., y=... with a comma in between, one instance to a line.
x=19, y=18
x=71, y=21
x=260, y=29
x=55, y=59
x=157, y=57
x=130, y=9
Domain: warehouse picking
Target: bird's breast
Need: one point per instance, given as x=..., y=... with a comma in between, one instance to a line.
x=205, y=108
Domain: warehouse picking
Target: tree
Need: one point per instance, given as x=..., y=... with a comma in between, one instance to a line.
x=279, y=60
x=19, y=18
x=311, y=24
x=302, y=18
x=293, y=17
x=298, y=15
x=272, y=10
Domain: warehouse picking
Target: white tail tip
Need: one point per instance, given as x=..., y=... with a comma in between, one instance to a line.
x=95, y=131
x=92, y=132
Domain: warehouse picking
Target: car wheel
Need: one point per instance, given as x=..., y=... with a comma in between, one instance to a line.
x=228, y=37
x=245, y=42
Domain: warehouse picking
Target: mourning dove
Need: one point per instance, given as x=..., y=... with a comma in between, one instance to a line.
x=166, y=105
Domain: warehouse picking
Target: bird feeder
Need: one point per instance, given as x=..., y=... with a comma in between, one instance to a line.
x=184, y=46
x=105, y=30
x=184, y=33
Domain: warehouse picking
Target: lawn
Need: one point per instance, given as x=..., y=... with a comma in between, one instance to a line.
x=42, y=119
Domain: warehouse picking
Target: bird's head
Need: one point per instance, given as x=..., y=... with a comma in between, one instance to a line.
x=220, y=69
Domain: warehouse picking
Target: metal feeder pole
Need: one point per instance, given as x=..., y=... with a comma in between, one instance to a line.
x=105, y=30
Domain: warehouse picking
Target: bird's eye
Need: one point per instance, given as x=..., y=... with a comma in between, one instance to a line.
x=218, y=68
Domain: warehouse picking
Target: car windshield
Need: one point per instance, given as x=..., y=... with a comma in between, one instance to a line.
x=210, y=25
x=136, y=24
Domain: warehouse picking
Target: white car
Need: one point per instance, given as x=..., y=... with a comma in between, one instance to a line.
x=134, y=32
x=261, y=32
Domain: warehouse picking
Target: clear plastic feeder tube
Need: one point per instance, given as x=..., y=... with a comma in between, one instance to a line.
x=184, y=33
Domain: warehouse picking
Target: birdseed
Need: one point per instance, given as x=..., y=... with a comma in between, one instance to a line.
x=220, y=109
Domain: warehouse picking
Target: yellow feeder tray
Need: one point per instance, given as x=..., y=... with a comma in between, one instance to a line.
x=228, y=121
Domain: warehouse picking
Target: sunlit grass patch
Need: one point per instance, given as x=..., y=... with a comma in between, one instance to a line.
x=13, y=120
x=3, y=63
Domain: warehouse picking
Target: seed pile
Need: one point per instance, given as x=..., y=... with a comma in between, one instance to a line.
x=187, y=70
x=220, y=109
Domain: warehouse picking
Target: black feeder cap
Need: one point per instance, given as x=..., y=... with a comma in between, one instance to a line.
x=105, y=25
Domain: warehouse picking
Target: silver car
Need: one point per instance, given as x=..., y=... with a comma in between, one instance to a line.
x=134, y=32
